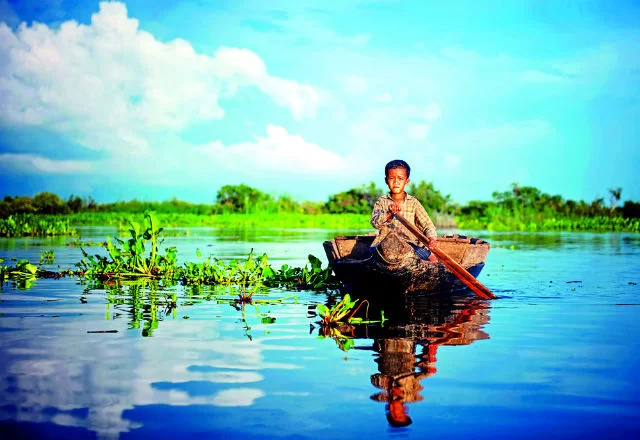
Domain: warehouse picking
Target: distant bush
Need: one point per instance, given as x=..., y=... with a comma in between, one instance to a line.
x=354, y=201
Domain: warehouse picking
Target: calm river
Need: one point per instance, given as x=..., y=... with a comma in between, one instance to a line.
x=555, y=357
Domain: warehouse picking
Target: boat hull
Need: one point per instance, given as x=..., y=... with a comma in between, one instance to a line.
x=393, y=265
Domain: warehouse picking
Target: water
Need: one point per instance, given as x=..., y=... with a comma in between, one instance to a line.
x=554, y=357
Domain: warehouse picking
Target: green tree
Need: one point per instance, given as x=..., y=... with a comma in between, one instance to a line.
x=76, y=204
x=631, y=209
x=49, y=203
x=241, y=198
x=354, y=201
x=431, y=198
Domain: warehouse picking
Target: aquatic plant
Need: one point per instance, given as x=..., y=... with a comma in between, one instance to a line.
x=338, y=321
x=25, y=225
x=83, y=243
x=47, y=256
x=341, y=312
x=214, y=271
x=311, y=276
x=130, y=258
x=24, y=273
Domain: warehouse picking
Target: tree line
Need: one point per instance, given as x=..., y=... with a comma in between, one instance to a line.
x=360, y=200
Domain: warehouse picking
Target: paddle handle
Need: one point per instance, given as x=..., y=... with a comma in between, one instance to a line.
x=463, y=275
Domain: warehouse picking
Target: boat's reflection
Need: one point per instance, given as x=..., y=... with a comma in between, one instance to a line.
x=406, y=345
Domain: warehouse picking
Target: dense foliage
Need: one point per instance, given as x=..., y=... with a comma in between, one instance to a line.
x=519, y=208
x=528, y=208
x=355, y=201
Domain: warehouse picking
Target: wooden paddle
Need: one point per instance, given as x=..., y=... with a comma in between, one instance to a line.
x=459, y=271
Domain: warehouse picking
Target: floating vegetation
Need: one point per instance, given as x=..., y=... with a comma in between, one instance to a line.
x=342, y=312
x=139, y=276
x=338, y=321
x=82, y=243
x=47, y=256
x=24, y=273
x=141, y=256
x=252, y=271
x=32, y=225
x=128, y=258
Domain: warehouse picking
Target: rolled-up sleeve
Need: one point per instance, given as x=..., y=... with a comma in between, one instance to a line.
x=379, y=214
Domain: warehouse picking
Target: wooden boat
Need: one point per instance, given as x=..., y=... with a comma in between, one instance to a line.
x=393, y=264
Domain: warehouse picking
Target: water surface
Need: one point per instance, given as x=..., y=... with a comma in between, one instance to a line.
x=554, y=357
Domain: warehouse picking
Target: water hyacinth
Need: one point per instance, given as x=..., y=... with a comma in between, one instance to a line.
x=33, y=225
x=140, y=256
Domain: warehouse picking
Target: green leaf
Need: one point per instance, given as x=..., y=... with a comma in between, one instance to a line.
x=322, y=309
x=346, y=344
x=315, y=262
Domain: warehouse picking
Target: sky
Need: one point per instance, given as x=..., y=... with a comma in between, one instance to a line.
x=160, y=99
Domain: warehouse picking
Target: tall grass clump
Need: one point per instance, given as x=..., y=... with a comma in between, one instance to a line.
x=33, y=225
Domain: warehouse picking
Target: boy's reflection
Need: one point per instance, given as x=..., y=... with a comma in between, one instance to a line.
x=401, y=368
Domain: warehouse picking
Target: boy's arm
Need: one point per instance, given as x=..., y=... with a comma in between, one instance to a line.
x=380, y=215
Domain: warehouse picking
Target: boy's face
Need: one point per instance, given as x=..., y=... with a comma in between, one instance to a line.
x=396, y=180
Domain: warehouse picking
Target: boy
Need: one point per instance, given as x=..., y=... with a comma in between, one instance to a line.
x=396, y=175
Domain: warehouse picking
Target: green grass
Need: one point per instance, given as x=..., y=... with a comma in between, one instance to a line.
x=235, y=221
x=501, y=220
x=35, y=225
x=495, y=219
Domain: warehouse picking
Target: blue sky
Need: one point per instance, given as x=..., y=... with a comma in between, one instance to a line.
x=153, y=100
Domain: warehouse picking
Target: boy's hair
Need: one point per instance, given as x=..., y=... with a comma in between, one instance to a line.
x=396, y=164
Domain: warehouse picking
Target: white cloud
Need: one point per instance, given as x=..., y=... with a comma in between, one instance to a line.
x=433, y=112
x=384, y=97
x=278, y=151
x=418, y=131
x=110, y=85
x=355, y=85
x=30, y=163
x=386, y=124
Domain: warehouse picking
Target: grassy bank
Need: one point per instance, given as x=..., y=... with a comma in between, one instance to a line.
x=502, y=220
x=229, y=220
x=23, y=225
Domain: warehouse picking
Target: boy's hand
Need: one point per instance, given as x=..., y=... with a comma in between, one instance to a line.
x=433, y=243
x=393, y=208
